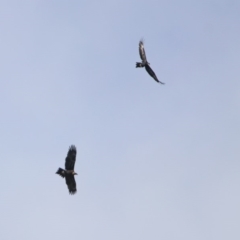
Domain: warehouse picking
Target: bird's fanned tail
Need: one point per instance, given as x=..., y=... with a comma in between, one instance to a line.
x=138, y=64
x=61, y=172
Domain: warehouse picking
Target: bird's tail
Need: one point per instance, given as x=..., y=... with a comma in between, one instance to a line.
x=61, y=172
x=138, y=64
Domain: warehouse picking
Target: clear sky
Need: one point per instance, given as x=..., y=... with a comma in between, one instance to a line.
x=154, y=161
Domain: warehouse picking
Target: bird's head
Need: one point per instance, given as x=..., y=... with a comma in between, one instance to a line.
x=74, y=173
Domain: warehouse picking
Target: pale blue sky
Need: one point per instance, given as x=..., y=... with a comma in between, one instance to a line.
x=154, y=161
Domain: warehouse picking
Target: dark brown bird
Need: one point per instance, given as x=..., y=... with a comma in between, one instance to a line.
x=145, y=63
x=69, y=173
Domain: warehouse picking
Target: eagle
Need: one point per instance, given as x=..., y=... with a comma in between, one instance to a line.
x=69, y=173
x=145, y=63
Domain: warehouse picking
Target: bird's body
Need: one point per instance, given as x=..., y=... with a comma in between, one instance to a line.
x=145, y=63
x=69, y=173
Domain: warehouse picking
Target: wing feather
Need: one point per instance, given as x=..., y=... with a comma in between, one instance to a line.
x=71, y=158
x=152, y=73
x=142, y=52
x=71, y=183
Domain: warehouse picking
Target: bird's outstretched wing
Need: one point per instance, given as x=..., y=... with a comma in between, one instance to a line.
x=71, y=158
x=152, y=73
x=71, y=183
x=142, y=52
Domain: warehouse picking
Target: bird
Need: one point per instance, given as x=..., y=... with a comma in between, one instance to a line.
x=69, y=173
x=145, y=63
